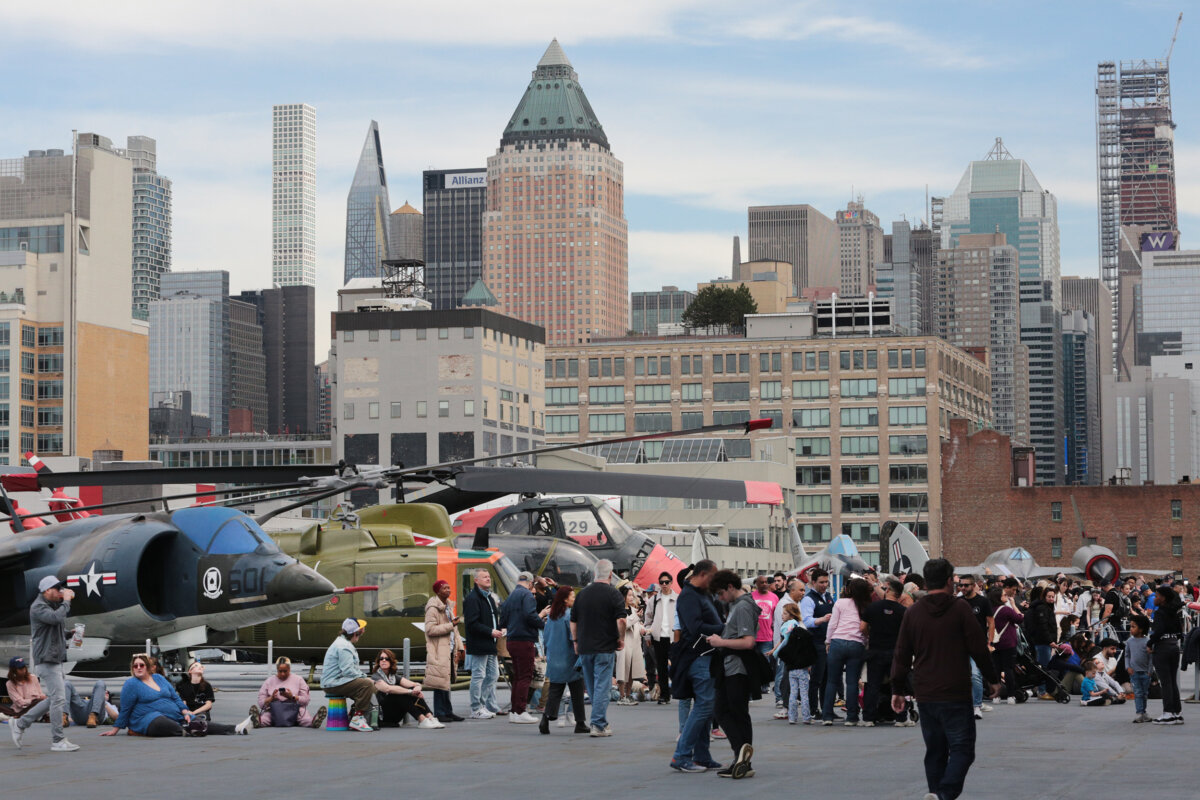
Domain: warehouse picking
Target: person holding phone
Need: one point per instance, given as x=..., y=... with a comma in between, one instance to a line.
x=442, y=646
x=283, y=700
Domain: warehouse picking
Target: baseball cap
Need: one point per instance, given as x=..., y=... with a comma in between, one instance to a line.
x=16, y=662
x=525, y=576
x=47, y=583
x=352, y=626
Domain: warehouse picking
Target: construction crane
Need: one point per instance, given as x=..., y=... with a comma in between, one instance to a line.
x=1174, y=35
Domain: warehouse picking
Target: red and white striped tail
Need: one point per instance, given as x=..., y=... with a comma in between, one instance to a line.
x=36, y=462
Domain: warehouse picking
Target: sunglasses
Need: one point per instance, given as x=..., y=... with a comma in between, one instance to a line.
x=384, y=658
x=664, y=583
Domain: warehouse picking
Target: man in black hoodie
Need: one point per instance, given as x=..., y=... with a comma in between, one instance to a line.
x=937, y=636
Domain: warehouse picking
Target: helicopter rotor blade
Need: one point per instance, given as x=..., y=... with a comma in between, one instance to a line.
x=567, y=481
x=32, y=482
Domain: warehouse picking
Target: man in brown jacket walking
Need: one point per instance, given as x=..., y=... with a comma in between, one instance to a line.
x=442, y=644
x=938, y=639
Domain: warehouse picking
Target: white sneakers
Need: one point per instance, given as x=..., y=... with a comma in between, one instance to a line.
x=359, y=724
x=63, y=747
x=430, y=724
x=14, y=728
x=482, y=713
x=978, y=712
x=243, y=727
x=524, y=718
x=985, y=707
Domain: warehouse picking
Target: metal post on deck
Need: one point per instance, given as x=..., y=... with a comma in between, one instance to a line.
x=407, y=655
x=270, y=652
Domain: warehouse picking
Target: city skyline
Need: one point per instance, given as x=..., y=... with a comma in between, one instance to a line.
x=780, y=80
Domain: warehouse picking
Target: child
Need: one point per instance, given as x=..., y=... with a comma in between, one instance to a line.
x=797, y=678
x=1092, y=694
x=1137, y=662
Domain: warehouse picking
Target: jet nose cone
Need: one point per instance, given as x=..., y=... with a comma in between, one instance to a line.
x=297, y=583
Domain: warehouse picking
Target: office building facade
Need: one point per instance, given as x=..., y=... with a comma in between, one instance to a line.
x=1169, y=298
x=247, y=369
x=151, y=223
x=454, y=201
x=294, y=195
x=287, y=316
x=1081, y=399
x=860, y=248
x=800, y=235
x=648, y=309
x=367, y=213
x=898, y=277
x=557, y=249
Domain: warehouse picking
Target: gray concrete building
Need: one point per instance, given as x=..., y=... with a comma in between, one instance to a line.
x=648, y=309
x=800, y=235
x=190, y=343
x=901, y=280
x=860, y=248
x=1150, y=436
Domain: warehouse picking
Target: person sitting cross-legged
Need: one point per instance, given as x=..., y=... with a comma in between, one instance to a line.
x=283, y=701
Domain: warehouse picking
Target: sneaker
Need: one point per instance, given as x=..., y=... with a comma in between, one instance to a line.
x=792, y=722
x=684, y=766
x=601, y=732
x=92, y=721
x=781, y=714
x=1140, y=718
x=866, y=724
x=828, y=723
x=839, y=703
x=930, y=796
x=1175, y=720
x=243, y=727
x=717, y=733
x=779, y=704
x=544, y=726
x=908, y=723
x=256, y=716
x=524, y=718
x=850, y=723
x=1012, y=701
x=582, y=727
x=14, y=728
x=749, y=772
x=725, y=773
x=978, y=713
x=808, y=722
x=711, y=764
x=1165, y=719
x=430, y=724
x=742, y=762
x=1046, y=696
x=319, y=717
x=985, y=708
x=482, y=713
x=63, y=747
x=499, y=712
x=359, y=724
x=561, y=723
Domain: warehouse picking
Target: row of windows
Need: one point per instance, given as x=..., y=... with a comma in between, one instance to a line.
x=395, y=409
x=1056, y=510
x=739, y=391
x=1131, y=546
x=898, y=502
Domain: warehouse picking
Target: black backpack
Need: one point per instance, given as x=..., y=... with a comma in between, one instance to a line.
x=798, y=652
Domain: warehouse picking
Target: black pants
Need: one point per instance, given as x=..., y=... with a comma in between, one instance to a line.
x=879, y=666
x=1166, y=664
x=1006, y=662
x=661, y=649
x=393, y=707
x=816, y=679
x=554, y=698
x=732, y=710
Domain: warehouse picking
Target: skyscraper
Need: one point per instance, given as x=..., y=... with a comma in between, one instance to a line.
x=367, y=212
x=406, y=233
x=454, y=202
x=1000, y=194
x=189, y=343
x=294, y=195
x=151, y=223
x=288, y=315
x=898, y=278
x=247, y=369
x=1081, y=399
x=557, y=240
x=860, y=248
x=1092, y=296
x=801, y=236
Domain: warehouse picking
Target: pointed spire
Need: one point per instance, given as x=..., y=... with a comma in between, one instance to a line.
x=554, y=56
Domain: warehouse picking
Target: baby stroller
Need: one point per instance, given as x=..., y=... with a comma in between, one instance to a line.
x=1031, y=674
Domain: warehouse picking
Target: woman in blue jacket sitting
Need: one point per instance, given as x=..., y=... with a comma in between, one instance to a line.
x=150, y=706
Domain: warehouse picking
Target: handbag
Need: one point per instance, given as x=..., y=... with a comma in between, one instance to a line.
x=197, y=726
x=284, y=713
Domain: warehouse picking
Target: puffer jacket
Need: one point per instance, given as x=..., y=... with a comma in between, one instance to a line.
x=1040, y=626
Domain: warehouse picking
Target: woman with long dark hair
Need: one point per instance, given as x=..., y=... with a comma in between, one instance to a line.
x=847, y=648
x=1166, y=634
x=398, y=696
x=561, y=661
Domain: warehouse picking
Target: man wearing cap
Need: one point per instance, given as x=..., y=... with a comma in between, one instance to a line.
x=442, y=644
x=284, y=688
x=47, y=622
x=519, y=615
x=341, y=676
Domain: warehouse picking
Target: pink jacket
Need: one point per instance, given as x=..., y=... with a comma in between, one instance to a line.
x=845, y=624
x=24, y=695
x=294, y=684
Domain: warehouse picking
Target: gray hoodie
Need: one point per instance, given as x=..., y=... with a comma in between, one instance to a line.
x=47, y=625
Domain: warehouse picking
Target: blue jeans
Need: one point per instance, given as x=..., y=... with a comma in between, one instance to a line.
x=782, y=686
x=1141, y=690
x=949, y=732
x=485, y=671
x=693, y=739
x=78, y=708
x=845, y=659
x=1043, y=653
x=597, y=676
x=976, y=684
x=685, y=708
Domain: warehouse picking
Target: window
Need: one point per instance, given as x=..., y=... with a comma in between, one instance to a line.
x=4, y=361
x=773, y=414
x=562, y=423
x=808, y=390
x=812, y=446
x=893, y=359
x=907, y=445
x=1176, y=545
x=373, y=336
x=443, y=408
x=604, y=395
x=27, y=363
x=652, y=393
x=468, y=333
x=868, y=387
x=813, y=476
x=919, y=358
x=639, y=365
x=372, y=410
x=731, y=418
x=699, y=504
x=1176, y=509
x=421, y=334
x=747, y=537
x=872, y=359
x=664, y=365
x=395, y=334
x=691, y=392
x=860, y=473
x=347, y=336
x=738, y=392
x=1056, y=512
x=1131, y=546
x=47, y=417
x=28, y=415
x=28, y=336
x=1056, y=547
x=468, y=405
x=908, y=501
x=652, y=422
x=691, y=419
x=47, y=390
x=395, y=410
x=562, y=396
x=47, y=337
x=400, y=594
x=858, y=359
x=606, y=423
x=813, y=504
x=908, y=473
x=770, y=390
x=844, y=359
x=906, y=415
x=718, y=362
x=423, y=408
x=635, y=503
x=860, y=445
x=443, y=333
x=606, y=367
x=618, y=367
x=593, y=368
x=861, y=531
x=49, y=443
x=906, y=387
x=348, y=411
x=48, y=362
x=810, y=418
x=860, y=417
x=860, y=504
x=814, y=531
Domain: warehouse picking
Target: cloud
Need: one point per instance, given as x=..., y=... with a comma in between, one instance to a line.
x=659, y=258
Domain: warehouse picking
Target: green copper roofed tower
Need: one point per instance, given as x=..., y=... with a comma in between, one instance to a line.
x=367, y=210
x=555, y=180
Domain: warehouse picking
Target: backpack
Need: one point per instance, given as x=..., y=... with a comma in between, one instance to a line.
x=798, y=652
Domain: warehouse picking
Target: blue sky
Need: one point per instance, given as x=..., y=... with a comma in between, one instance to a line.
x=712, y=106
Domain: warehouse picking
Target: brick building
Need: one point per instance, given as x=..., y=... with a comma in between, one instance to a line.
x=987, y=505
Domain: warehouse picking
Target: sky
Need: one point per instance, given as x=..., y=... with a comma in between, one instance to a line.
x=712, y=106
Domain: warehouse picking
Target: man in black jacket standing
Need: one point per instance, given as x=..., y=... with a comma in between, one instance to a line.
x=481, y=617
x=519, y=616
x=937, y=636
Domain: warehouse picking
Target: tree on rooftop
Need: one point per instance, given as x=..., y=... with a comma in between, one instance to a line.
x=720, y=306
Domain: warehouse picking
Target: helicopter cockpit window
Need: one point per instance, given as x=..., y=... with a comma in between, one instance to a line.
x=514, y=524
x=618, y=529
x=401, y=594
x=582, y=526
x=543, y=523
x=569, y=566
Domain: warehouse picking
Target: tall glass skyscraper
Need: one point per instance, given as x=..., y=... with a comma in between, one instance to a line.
x=367, y=214
x=294, y=195
x=454, y=202
x=151, y=223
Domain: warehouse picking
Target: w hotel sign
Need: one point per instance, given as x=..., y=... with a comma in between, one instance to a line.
x=1158, y=240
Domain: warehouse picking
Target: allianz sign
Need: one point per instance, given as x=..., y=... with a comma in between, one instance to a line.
x=463, y=180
